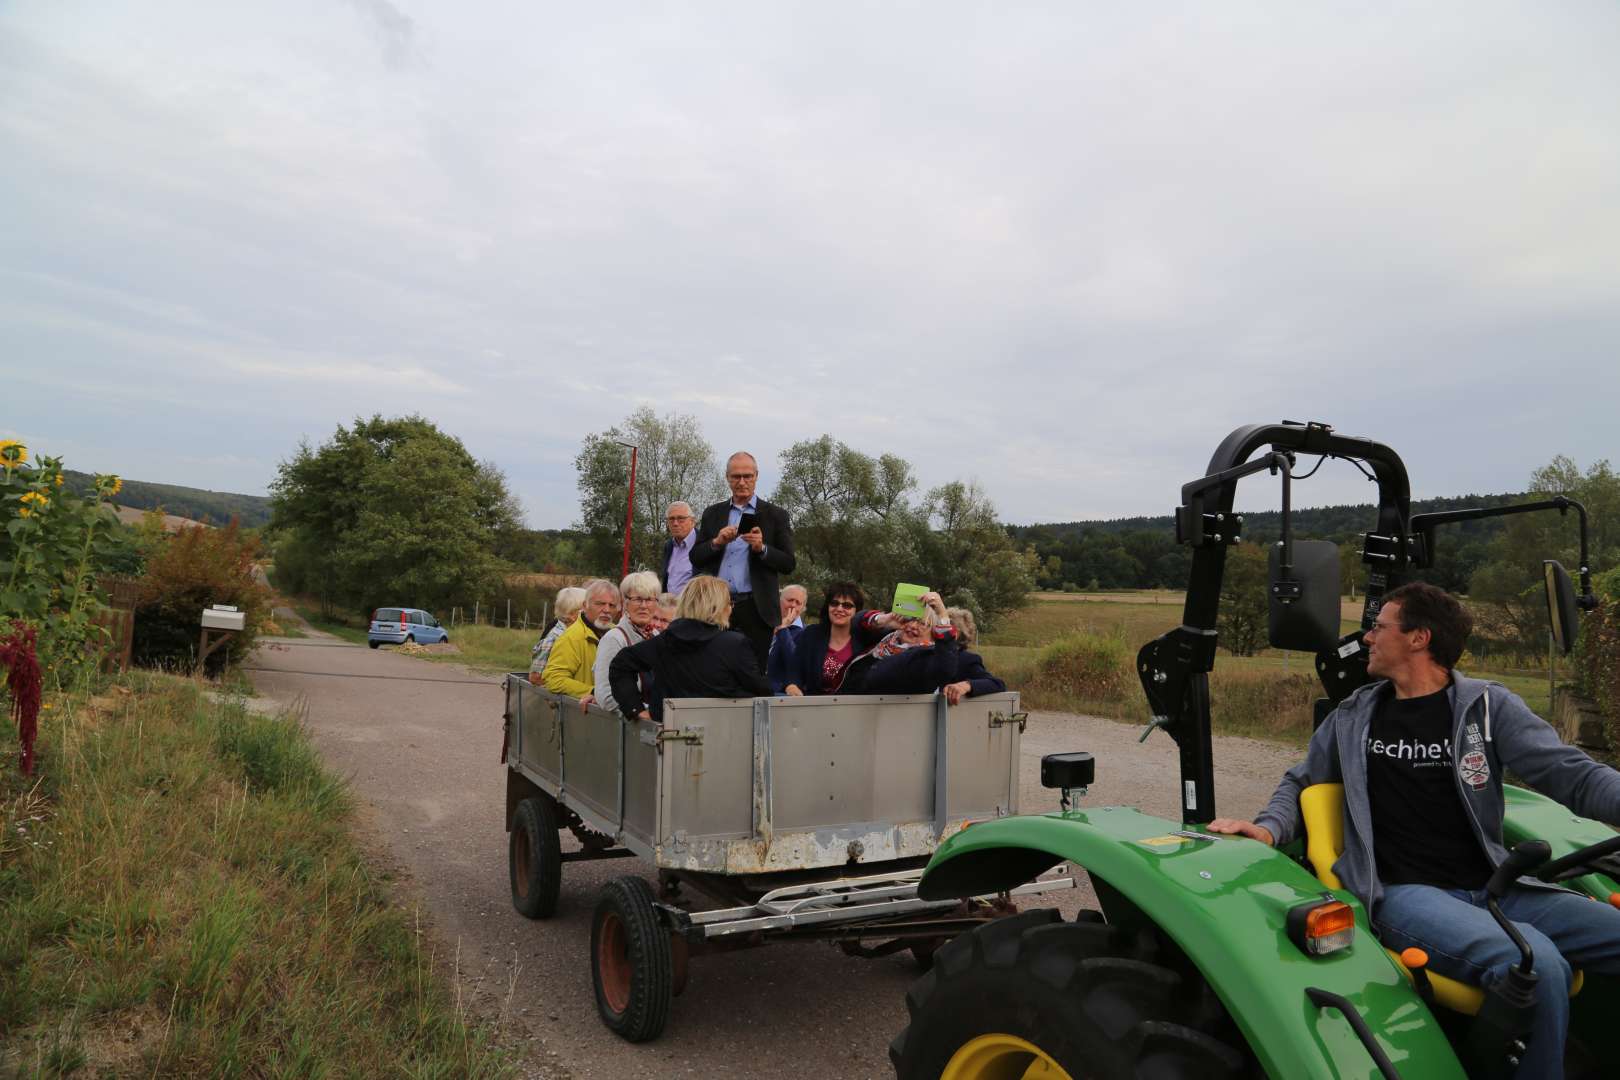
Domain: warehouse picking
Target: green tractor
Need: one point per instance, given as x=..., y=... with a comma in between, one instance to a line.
x=1214, y=956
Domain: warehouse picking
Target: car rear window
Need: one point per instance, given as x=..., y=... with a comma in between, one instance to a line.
x=388, y=614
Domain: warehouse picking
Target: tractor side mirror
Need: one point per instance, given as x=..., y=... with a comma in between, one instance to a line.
x=1562, y=610
x=1304, y=600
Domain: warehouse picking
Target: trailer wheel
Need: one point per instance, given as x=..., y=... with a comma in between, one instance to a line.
x=534, y=858
x=1031, y=995
x=631, y=962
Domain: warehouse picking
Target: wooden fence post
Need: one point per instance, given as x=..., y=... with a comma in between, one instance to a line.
x=509, y=613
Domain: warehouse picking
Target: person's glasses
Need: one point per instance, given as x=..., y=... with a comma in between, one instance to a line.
x=679, y=517
x=740, y=476
x=841, y=604
x=642, y=600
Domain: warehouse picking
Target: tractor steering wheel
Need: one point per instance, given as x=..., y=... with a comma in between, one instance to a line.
x=1582, y=861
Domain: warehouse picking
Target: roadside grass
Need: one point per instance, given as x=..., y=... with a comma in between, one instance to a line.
x=179, y=896
x=490, y=648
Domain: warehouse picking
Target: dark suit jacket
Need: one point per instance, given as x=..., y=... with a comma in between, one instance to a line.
x=763, y=570
x=663, y=565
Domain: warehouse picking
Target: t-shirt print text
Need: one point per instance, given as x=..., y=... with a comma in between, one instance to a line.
x=1419, y=754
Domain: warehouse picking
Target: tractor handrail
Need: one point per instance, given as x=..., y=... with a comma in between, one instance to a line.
x=1328, y=999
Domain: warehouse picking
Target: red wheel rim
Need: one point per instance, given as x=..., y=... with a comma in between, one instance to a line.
x=520, y=859
x=613, y=963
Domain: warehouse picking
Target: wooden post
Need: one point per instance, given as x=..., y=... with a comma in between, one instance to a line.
x=525, y=618
x=509, y=613
x=476, y=604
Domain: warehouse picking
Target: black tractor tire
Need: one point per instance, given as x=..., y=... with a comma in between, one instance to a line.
x=632, y=965
x=1079, y=992
x=534, y=857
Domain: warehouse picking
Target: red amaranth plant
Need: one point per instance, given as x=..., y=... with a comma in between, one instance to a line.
x=19, y=656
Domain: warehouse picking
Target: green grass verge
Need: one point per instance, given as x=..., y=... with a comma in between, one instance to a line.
x=180, y=896
x=348, y=629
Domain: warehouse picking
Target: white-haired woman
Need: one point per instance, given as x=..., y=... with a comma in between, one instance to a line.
x=638, y=595
x=569, y=602
x=696, y=657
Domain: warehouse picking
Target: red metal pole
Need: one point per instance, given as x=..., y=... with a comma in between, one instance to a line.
x=629, y=513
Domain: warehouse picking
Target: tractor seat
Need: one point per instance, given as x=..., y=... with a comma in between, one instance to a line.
x=1322, y=807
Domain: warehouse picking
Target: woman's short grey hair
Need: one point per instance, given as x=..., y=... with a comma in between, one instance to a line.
x=706, y=599
x=569, y=601
x=641, y=585
x=599, y=585
x=967, y=631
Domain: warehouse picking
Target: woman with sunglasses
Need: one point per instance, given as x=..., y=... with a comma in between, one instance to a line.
x=818, y=660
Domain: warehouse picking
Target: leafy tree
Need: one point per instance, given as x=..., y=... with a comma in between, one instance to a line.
x=674, y=463
x=392, y=511
x=1242, y=622
x=849, y=512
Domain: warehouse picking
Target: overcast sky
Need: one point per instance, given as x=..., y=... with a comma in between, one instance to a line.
x=1061, y=249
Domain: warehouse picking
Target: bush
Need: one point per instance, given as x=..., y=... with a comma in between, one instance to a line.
x=1267, y=704
x=196, y=568
x=1597, y=654
x=1084, y=667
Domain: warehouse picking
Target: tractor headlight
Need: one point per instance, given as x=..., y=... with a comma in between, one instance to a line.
x=1322, y=926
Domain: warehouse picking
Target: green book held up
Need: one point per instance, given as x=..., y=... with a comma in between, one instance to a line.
x=908, y=600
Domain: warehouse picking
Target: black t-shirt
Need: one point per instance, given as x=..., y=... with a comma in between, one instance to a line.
x=1421, y=831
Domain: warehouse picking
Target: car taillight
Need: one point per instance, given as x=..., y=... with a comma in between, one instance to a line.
x=1322, y=927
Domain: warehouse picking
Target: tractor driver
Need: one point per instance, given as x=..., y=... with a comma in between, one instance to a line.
x=1421, y=752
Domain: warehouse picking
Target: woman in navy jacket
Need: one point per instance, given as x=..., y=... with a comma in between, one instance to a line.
x=844, y=633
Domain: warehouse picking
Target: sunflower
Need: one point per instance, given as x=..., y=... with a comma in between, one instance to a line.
x=107, y=484
x=32, y=501
x=13, y=453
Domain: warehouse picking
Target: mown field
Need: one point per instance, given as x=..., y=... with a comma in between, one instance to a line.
x=180, y=896
x=1268, y=695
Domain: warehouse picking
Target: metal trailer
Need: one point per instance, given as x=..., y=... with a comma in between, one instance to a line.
x=768, y=819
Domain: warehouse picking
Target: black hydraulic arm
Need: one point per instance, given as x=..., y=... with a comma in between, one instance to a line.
x=1174, y=668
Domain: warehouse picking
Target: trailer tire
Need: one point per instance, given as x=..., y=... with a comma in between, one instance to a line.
x=534, y=858
x=1033, y=989
x=632, y=969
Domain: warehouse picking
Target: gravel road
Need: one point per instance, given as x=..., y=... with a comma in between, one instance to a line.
x=420, y=743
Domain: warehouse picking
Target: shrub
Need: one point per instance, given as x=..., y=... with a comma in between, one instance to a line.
x=1597, y=653
x=195, y=568
x=1268, y=704
x=1084, y=667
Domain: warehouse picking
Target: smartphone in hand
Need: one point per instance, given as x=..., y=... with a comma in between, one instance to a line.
x=747, y=523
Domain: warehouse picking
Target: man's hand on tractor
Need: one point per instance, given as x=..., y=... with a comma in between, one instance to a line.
x=1242, y=828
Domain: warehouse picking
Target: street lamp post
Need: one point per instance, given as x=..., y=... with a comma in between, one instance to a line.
x=630, y=506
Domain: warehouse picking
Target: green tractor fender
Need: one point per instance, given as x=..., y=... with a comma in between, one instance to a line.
x=1224, y=901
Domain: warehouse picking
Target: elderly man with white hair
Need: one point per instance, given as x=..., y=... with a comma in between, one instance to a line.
x=794, y=598
x=639, y=594
x=570, y=670
x=675, y=569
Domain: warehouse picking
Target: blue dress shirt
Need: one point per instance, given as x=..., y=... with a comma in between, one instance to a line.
x=680, y=563
x=734, y=563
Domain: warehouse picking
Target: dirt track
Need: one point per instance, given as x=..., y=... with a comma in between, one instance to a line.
x=420, y=742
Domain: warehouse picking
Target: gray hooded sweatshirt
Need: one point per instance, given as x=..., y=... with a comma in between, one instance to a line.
x=1492, y=728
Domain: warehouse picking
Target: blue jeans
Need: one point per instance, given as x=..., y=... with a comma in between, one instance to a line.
x=1465, y=943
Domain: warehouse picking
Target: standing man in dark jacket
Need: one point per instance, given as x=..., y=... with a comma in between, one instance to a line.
x=1421, y=753
x=749, y=562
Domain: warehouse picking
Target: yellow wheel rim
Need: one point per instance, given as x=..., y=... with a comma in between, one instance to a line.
x=1002, y=1057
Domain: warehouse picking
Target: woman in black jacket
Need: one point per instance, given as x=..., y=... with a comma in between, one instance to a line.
x=817, y=659
x=695, y=657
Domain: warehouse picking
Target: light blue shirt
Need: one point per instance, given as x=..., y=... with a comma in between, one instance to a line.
x=680, y=563
x=734, y=563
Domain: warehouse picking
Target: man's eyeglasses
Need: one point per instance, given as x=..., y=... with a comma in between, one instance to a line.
x=841, y=604
x=741, y=476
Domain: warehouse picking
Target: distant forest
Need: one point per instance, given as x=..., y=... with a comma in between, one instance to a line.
x=214, y=507
x=1142, y=553
x=1121, y=553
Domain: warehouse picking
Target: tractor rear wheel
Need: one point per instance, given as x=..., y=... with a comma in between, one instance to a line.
x=1033, y=996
